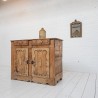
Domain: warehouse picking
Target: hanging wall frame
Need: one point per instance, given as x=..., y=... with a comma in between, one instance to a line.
x=76, y=29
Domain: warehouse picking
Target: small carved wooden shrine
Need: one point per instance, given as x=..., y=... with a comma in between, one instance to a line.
x=76, y=29
x=37, y=60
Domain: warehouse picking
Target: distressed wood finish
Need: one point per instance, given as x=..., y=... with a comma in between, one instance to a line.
x=40, y=62
x=37, y=60
x=21, y=59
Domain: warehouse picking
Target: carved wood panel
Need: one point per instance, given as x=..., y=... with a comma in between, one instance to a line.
x=21, y=57
x=58, y=63
x=18, y=43
x=40, y=42
x=40, y=68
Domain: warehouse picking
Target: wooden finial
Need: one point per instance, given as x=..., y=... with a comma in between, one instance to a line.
x=75, y=20
x=42, y=33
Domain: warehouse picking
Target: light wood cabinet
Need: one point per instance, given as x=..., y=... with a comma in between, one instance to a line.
x=37, y=60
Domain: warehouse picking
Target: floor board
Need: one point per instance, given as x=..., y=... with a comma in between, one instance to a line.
x=73, y=85
x=96, y=95
x=89, y=91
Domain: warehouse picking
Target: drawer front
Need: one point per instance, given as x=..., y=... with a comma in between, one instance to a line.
x=40, y=42
x=17, y=43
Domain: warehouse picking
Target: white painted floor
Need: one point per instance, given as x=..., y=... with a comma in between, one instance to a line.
x=73, y=85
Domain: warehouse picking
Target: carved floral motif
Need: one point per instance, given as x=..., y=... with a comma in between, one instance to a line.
x=20, y=43
x=41, y=59
x=40, y=42
x=21, y=66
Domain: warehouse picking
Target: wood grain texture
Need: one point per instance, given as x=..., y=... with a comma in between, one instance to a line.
x=37, y=60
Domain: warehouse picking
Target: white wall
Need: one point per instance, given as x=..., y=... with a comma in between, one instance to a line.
x=22, y=19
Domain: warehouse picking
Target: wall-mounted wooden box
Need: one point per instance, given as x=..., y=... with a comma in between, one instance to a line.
x=76, y=29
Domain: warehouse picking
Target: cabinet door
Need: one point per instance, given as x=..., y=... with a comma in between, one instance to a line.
x=21, y=61
x=40, y=62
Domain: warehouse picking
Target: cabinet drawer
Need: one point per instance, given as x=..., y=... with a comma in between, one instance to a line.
x=40, y=42
x=21, y=43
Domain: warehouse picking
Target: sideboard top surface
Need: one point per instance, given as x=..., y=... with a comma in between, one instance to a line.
x=37, y=39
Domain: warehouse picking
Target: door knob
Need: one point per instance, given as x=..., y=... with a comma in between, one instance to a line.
x=27, y=61
x=32, y=62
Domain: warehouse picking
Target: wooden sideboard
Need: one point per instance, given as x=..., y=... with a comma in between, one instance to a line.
x=37, y=60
